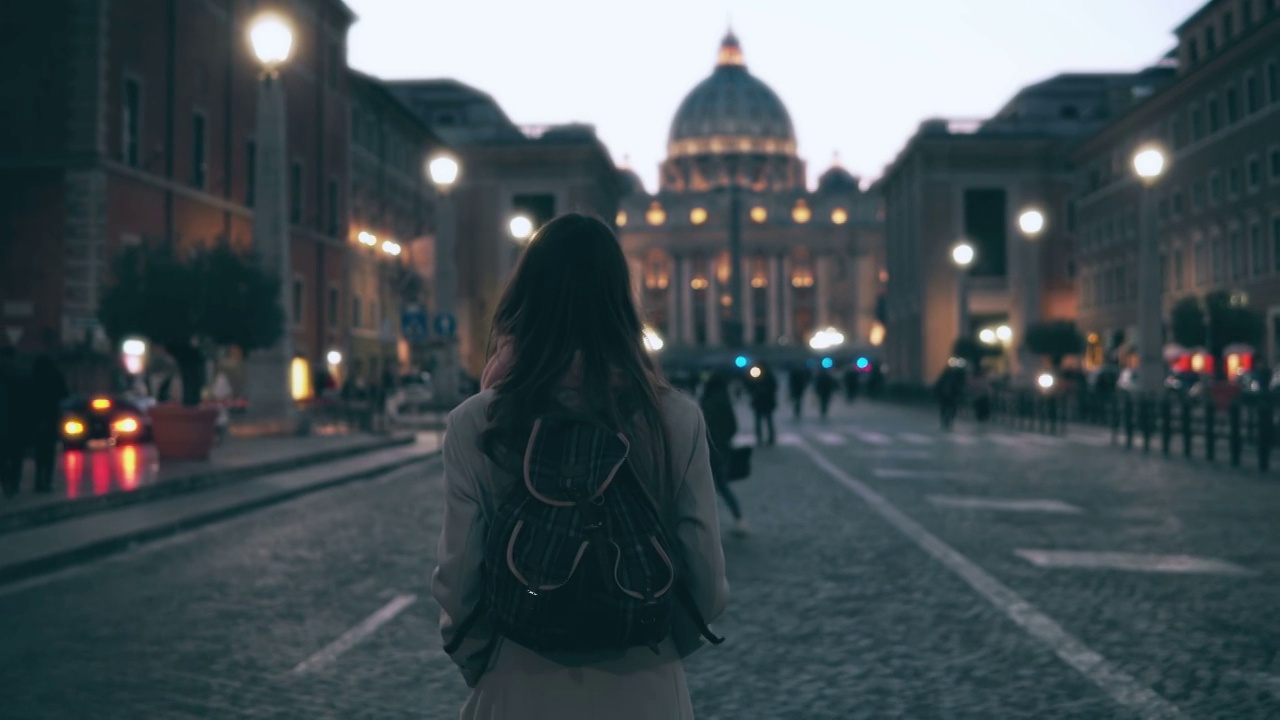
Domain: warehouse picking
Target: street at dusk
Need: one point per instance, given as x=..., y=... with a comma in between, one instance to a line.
x=640, y=361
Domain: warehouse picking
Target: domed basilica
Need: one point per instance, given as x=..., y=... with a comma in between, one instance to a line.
x=733, y=195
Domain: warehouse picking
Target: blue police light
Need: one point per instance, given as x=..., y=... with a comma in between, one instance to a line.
x=741, y=361
x=863, y=363
x=828, y=363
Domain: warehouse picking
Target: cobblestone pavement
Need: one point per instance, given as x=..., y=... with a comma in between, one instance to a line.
x=837, y=612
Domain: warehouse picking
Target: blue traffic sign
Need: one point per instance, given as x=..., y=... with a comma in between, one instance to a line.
x=413, y=324
x=445, y=325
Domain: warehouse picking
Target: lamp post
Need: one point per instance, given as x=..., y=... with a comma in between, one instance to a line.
x=443, y=170
x=1031, y=222
x=1149, y=165
x=521, y=228
x=962, y=255
x=268, y=371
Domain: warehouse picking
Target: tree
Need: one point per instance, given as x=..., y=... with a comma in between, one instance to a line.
x=1188, y=322
x=1231, y=322
x=972, y=351
x=1055, y=338
x=189, y=304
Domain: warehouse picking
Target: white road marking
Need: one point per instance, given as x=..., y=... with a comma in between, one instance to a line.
x=904, y=474
x=1043, y=440
x=872, y=438
x=1132, y=562
x=791, y=439
x=960, y=439
x=904, y=454
x=916, y=438
x=744, y=440
x=1121, y=686
x=829, y=438
x=350, y=638
x=1011, y=505
x=1012, y=441
x=1090, y=440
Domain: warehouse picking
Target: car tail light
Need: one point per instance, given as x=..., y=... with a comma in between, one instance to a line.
x=101, y=404
x=73, y=428
x=126, y=425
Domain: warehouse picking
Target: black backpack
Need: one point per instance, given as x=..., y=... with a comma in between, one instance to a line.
x=577, y=558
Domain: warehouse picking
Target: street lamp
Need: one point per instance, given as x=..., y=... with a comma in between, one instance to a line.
x=1004, y=333
x=268, y=371
x=521, y=227
x=1149, y=163
x=1031, y=222
x=443, y=169
x=962, y=254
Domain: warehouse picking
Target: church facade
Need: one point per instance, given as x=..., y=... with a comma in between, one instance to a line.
x=734, y=251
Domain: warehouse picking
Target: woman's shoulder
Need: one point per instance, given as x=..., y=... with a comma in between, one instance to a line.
x=472, y=415
x=680, y=412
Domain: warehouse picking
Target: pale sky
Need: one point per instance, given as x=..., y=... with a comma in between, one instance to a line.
x=857, y=76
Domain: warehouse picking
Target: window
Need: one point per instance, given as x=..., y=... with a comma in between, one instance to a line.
x=1162, y=209
x=1197, y=123
x=1210, y=40
x=1237, y=254
x=1177, y=269
x=297, y=301
x=375, y=316
x=250, y=173
x=1193, y=51
x=1233, y=105
x=199, y=147
x=1202, y=265
x=1252, y=94
x=1233, y=181
x=1175, y=133
x=333, y=307
x=1273, y=82
x=1246, y=13
x=1214, y=120
x=1176, y=201
x=1254, y=170
x=1164, y=273
x=1197, y=194
x=333, y=208
x=131, y=122
x=335, y=63
x=1219, y=259
x=1228, y=25
x=295, y=192
x=1275, y=164
x=1257, y=250
x=356, y=319
x=1215, y=187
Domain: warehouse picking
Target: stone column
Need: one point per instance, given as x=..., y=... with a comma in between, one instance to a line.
x=748, y=305
x=788, y=301
x=774, y=299
x=822, y=290
x=687, y=334
x=673, y=303
x=713, y=304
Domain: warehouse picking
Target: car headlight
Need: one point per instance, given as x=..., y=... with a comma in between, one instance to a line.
x=125, y=426
x=73, y=428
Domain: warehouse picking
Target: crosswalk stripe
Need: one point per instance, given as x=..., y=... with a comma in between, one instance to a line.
x=1132, y=562
x=960, y=439
x=873, y=438
x=903, y=474
x=916, y=438
x=1006, y=504
x=829, y=438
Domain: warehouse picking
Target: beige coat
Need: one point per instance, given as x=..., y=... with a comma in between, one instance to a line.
x=510, y=681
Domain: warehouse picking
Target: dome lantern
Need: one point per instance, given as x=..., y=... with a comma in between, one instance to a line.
x=730, y=52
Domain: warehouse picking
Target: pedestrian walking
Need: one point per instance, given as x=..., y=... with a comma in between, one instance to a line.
x=12, y=423
x=980, y=391
x=764, y=403
x=949, y=389
x=564, y=590
x=722, y=425
x=48, y=391
x=798, y=383
x=824, y=385
x=852, y=379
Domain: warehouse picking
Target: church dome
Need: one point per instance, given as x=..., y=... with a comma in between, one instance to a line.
x=731, y=111
x=837, y=179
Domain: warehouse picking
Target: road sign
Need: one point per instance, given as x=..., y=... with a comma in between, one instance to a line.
x=413, y=324
x=446, y=325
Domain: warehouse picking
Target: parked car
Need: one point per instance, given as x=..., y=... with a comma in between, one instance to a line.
x=103, y=421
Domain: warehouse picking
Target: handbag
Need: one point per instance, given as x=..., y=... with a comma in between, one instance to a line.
x=739, y=463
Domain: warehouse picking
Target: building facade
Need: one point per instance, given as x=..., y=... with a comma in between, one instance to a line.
x=732, y=186
x=506, y=170
x=138, y=128
x=389, y=235
x=969, y=181
x=1218, y=202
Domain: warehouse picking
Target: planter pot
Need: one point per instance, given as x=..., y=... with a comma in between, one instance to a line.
x=183, y=433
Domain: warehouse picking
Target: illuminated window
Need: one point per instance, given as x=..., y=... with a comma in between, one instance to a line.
x=802, y=279
x=656, y=215
x=801, y=212
x=726, y=300
x=759, y=214
x=722, y=267
x=839, y=216
x=697, y=216
x=622, y=218
x=759, y=273
x=698, y=283
x=657, y=273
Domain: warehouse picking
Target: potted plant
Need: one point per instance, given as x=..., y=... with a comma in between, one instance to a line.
x=189, y=303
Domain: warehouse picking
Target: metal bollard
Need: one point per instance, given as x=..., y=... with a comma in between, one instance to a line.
x=1265, y=428
x=1234, y=440
x=1166, y=425
x=1210, y=440
x=1186, y=428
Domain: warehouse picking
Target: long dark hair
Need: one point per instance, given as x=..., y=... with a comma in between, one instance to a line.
x=569, y=313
